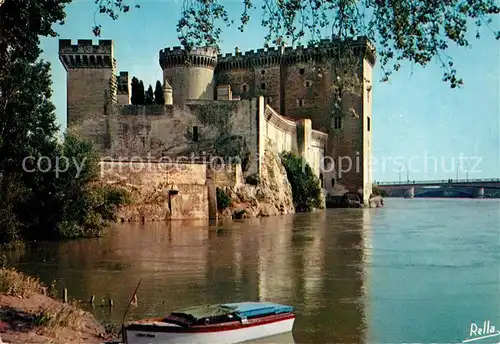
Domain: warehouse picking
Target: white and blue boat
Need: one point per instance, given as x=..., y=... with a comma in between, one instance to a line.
x=219, y=323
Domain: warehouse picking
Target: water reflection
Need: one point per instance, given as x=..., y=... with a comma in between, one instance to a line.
x=314, y=262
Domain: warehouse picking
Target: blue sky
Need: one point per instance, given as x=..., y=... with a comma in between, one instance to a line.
x=420, y=124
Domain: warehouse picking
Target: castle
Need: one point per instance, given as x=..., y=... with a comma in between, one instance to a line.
x=226, y=105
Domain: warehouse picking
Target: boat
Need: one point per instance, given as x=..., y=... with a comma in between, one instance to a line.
x=217, y=323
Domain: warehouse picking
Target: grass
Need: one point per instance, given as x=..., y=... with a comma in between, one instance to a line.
x=14, y=283
x=51, y=314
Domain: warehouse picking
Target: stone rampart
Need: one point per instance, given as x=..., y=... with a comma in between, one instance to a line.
x=325, y=48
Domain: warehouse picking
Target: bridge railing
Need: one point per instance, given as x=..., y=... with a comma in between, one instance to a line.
x=439, y=181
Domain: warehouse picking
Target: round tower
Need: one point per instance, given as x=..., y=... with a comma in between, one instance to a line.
x=190, y=74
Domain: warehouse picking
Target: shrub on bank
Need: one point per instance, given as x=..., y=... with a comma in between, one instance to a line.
x=306, y=188
x=14, y=283
x=223, y=200
x=376, y=191
x=49, y=204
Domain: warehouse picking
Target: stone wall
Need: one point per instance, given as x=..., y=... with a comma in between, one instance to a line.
x=166, y=191
x=281, y=132
x=181, y=133
x=160, y=191
x=298, y=137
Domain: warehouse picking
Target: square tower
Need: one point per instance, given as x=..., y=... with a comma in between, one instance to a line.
x=91, y=86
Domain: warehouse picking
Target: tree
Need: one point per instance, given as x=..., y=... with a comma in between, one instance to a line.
x=149, y=96
x=159, y=97
x=141, y=95
x=134, y=98
x=306, y=187
x=414, y=31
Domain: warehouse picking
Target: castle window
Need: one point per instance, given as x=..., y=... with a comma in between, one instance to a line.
x=263, y=86
x=300, y=102
x=333, y=182
x=263, y=72
x=195, y=134
x=268, y=100
x=308, y=83
x=337, y=122
x=244, y=88
x=368, y=123
x=321, y=179
x=302, y=71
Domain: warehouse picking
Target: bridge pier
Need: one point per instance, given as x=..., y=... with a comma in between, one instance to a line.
x=410, y=193
x=479, y=193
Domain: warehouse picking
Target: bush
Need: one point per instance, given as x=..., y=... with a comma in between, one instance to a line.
x=14, y=283
x=68, y=204
x=306, y=188
x=376, y=191
x=223, y=200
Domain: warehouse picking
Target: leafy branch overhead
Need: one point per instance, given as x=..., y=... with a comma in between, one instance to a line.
x=416, y=31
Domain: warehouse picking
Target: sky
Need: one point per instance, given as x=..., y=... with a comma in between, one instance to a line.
x=422, y=129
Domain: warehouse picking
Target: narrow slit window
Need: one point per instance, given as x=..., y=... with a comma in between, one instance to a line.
x=195, y=134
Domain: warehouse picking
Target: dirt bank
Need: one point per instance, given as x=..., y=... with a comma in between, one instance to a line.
x=29, y=316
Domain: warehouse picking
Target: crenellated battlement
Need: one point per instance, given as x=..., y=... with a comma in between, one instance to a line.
x=325, y=48
x=176, y=56
x=85, y=54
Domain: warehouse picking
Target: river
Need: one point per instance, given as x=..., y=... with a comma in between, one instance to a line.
x=419, y=270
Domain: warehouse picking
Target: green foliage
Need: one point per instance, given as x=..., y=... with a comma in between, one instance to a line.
x=413, y=31
x=376, y=191
x=223, y=200
x=134, y=97
x=159, y=97
x=306, y=188
x=141, y=95
x=149, y=97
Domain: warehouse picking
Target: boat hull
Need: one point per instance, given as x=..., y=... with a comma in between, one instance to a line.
x=221, y=335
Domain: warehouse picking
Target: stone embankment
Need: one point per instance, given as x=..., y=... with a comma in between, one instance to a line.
x=161, y=192
x=271, y=196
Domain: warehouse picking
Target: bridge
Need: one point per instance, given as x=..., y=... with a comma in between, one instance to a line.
x=473, y=188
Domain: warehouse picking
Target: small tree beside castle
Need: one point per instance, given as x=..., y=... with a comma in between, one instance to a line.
x=159, y=98
x=139, y=97
x=149, y=96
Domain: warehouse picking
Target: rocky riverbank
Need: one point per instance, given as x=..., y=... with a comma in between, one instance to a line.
x=271, y=196
x=29, y=315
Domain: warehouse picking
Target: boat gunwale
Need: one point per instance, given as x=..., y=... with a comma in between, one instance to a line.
x=142, y=326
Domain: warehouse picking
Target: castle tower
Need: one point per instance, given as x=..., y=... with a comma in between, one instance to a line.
x=297, y=82
x=91, y=85
x=167, y=93
x=191, y=74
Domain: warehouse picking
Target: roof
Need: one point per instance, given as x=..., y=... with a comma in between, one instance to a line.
x=242, y=309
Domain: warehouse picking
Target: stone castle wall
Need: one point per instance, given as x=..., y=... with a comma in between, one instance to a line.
x=181, y=133
x=168, y=191
x=296, y=82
